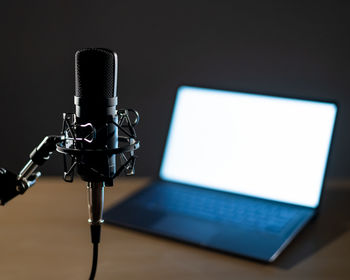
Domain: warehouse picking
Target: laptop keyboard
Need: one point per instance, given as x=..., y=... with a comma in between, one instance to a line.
x=225, y=208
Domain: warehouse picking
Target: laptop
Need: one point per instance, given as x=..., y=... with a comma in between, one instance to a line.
x=241, y=173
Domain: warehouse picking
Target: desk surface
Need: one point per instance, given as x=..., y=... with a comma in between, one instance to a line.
x=45, y=235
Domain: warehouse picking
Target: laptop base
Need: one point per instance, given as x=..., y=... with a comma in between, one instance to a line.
x=165, y=209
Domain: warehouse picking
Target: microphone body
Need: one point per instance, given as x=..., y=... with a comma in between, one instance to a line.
x=95, y=109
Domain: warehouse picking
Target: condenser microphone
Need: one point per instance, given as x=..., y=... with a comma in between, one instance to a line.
x=95, y=102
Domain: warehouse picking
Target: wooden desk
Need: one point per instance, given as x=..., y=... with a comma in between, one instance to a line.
x=44, y=234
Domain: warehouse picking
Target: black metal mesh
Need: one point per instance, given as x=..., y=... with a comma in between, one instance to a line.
x=95, y=73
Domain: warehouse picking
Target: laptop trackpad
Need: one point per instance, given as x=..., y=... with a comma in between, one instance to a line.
x=188, y=229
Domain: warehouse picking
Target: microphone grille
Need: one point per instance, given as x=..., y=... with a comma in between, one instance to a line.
x=95, y=73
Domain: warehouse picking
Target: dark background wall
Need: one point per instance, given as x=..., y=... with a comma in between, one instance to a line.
x=292, y=48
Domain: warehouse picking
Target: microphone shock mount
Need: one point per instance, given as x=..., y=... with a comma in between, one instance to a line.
x=73, y=153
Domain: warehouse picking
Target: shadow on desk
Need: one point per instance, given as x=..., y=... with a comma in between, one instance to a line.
x=332, y=221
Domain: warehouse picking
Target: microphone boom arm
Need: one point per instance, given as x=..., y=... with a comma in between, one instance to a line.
x=12, y=185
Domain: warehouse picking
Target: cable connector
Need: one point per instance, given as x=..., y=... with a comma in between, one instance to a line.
x=95, y=230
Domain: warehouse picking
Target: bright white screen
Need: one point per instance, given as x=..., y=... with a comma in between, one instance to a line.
x=268, y=147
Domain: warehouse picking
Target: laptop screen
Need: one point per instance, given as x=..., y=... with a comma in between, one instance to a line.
x=268, y=147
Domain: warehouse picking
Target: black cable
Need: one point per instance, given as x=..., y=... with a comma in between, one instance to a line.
x=94, y=261
x=95, y=230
